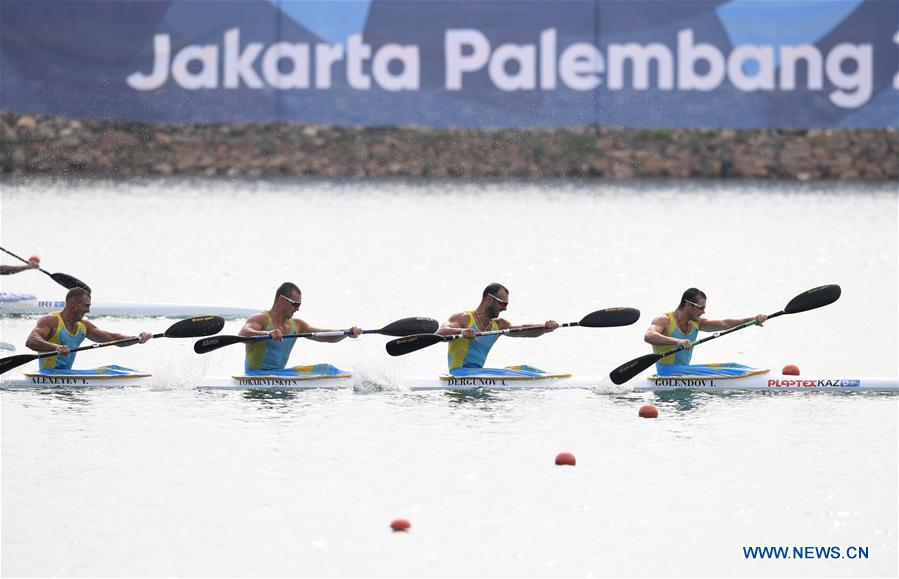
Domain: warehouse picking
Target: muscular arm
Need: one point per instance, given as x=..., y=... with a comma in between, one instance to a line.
x=718, y=325
x=255, y=326
x=455, y=325
x=655, y=334
x=95, y=334
x=43, y=331
x=10, y=269
x=539, y=330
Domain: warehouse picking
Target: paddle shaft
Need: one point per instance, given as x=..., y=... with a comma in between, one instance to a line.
x=507, y=331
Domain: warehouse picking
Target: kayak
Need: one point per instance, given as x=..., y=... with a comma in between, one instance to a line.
x=765, y=382
x=509, y=378
x=310, y=377
x=326, y=376
x=102, y=377
x=28, y=305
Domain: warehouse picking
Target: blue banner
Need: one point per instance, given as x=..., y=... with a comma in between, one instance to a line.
x=652, y=63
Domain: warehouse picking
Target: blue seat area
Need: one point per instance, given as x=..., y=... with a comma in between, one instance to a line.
x=309, y=371
x=722, y=369
x=111, y=370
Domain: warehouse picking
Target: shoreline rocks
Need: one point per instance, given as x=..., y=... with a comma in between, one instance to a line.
x=36, y=145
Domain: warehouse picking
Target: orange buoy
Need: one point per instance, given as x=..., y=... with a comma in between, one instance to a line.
x=649, y=411
x=565, y=459
x=790, y=370
x=400, y=525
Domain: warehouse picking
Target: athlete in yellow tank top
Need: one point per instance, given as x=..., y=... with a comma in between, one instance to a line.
x=472, y=351
x=277, y=322
x=64, y=330
x=682, y=326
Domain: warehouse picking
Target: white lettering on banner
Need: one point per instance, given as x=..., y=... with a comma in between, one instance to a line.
x=640, y=56
x=847, y=68
x=207, y=76
x=458, y=63
x=580, y=66
x=297, y=54
x=860, y=81
x=896, y=78
x=162, y=48
x=790, y=55
x=239, y=63
x=736, y=67
x=357, y=53
x=688, y=55
x=408, y=79
x=325, y=56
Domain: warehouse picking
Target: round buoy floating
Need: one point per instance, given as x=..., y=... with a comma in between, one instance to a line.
x=649, y=411
x=790, y=370
x=400, y=525
x=565, y=459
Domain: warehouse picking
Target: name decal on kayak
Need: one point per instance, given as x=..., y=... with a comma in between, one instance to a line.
x=266, y=381
x=675, y=383
x=485, y=382
x=57, y=380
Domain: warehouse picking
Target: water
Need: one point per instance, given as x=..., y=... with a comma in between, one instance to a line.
x=169, y=480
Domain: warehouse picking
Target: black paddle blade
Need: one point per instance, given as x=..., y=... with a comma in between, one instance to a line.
x=813, y=298
x=215, y=342
x=409, y=326
x=196, y=327
x=628, y=370
x=7, y=364
x=409, y=344
x=69, y=282
x=610, y=317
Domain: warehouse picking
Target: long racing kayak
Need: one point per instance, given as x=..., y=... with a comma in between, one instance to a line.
x=325, y=376
x=310, y=377
x=28, y=305
x=765, y=382
x=103, y=377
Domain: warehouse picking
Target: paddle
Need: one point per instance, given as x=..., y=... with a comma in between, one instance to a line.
x=608, y=318
x=190, y=328
x=402, y=327
x=62, y=279
x=813, y=298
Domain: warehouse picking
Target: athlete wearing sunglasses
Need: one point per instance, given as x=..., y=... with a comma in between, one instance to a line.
x=472, y=352
x=682, y=326
x=270, y=355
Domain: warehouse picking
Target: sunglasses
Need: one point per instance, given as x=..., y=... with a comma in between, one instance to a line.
x=504, y=302
x=694, y=304
x=296, y=303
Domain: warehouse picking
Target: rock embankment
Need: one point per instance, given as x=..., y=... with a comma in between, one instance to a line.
x=32, y=145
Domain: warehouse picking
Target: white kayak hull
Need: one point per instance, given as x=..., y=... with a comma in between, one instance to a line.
x=335, y=382
x=37, y=380
x=470, y=383
x=765, y=382
x=39, y=307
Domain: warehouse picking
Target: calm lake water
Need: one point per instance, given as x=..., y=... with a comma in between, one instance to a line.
x=170, y=480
